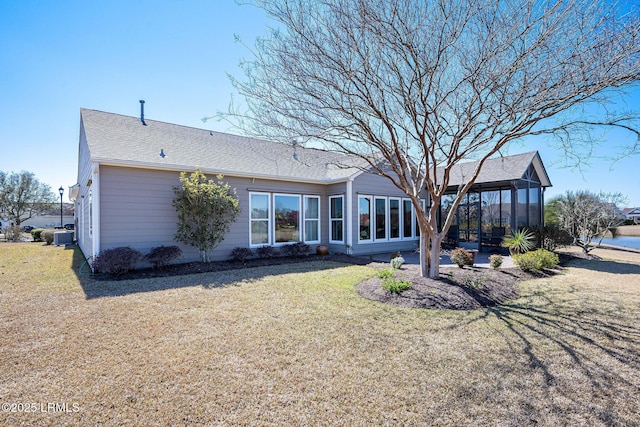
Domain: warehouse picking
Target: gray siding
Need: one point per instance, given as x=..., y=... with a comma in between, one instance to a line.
x=83, y=235
x=375, y=185
x=137, y=211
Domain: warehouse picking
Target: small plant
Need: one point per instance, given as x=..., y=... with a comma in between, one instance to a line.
x=520, y=241
x=47, y=236
x=12, y=233
x=395, y=254
x=391, y=284
x=241, y=254
x=296, y=250
x=397, y=262
x=385, y=273
x=36, y=234
x=461, y=257
x=117, y=260
x=537, y=260
x=267, y=252
x=495, y=261
x=163, y=255
x=473, y=282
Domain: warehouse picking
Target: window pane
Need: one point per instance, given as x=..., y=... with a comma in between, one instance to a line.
x=394, y=218
x=311, y=207
x=365, y=218
x=534, y=207
x=287, y=218
x=336, y=230
x=311, y=231
x=259, y=206
x=381, y=219
x=505, y=211
x=521, y=208
x=490, y=210
x=406, y=218
x=259, y=232
x=336, y=207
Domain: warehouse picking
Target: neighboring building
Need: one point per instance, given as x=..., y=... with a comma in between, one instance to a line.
x=128, y=167
x=632, y=214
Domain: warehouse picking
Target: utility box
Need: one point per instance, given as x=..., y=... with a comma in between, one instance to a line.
x=61, y=238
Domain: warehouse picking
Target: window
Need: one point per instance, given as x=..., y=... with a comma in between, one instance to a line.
x=336, y=219
x=381, y=218
x=287, y=218
x=407, y=219
x=311, y=219
x=394, y=218
x=259, y=218
x=364, y=217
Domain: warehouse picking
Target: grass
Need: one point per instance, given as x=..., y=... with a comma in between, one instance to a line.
x=295, y=345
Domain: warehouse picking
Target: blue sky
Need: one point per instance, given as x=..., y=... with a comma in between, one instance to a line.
x=58, y=57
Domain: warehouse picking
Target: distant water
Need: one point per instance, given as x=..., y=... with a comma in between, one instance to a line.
x=626, y=241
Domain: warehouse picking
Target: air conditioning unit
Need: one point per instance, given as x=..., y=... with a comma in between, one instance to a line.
x=61, y=238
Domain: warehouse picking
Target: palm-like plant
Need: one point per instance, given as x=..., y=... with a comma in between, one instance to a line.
x=520, y=241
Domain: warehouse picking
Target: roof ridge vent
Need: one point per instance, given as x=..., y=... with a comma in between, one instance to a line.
x=142, y=112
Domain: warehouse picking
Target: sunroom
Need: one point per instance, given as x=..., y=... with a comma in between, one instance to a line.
x=508, y=195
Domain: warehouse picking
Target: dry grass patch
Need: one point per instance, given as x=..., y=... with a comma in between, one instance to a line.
x=296, y=345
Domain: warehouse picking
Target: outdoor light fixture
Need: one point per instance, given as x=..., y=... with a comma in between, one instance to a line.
x=61, y=191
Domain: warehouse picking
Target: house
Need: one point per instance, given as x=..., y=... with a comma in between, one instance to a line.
x=128, y=167
x=632, y=214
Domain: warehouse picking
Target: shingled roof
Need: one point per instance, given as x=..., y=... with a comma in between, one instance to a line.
x=501, y=170
x=115, y=139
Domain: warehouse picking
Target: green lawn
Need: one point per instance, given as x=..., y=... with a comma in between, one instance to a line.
x=295, y=345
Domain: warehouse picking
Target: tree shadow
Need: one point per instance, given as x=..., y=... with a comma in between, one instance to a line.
x=605, y=266
x=94, y=288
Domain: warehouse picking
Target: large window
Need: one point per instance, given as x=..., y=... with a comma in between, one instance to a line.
x=311, y=219
x=287, y=218
x=259, y=207
x=386, y=218
x=336, y=218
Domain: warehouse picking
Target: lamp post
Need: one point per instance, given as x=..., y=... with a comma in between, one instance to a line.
x=61, y=191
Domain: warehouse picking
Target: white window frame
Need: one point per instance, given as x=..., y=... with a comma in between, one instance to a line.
x=269, y=219
x=316, y=220
x=273, y=214
x=334, y=219
x=371, y=198
x=385, y=238
x=400, y=207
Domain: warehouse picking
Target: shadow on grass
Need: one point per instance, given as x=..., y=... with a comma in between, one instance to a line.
x=94, y=288
x=605, y=266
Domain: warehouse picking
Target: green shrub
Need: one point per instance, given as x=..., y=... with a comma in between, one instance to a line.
x=495, y=261
x=391, y=284
x=36, y=234
x=385, y=273
x=461, y=257
x=267, y=252
x=241, y=254
x=47, y=236
x=536, y=260
x=397, y=262
x=117, y=260
x=163, y=255
x=551, y=237
x=520, y=241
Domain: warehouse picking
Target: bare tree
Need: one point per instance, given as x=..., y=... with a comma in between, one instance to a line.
x=22, y=196
x=587, y=216
x=425, y=85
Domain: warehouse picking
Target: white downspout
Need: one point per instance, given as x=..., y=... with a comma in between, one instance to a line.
x=95, y=191
x=349, y=215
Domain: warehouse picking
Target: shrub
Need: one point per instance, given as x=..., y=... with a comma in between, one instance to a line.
x=461, y=257
x=12, y=233
x=296, y=250
x=117, y=260
x=385, y=273
x=36, y=234
x=397, y=262
x=163, y=255
x=241, y=254
x=395, y=254
x=267, y=252
x=551, y=237
x=495, y=261
x=47, y=236
x=536, y=260
x=395, y=286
